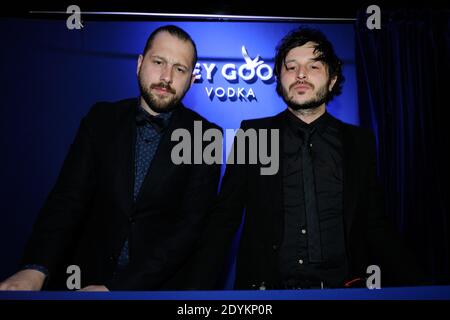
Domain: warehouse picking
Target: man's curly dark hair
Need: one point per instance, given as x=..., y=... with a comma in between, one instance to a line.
x=297, y=38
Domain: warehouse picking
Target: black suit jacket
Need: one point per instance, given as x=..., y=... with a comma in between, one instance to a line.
x=369, y=237
x=91, y=211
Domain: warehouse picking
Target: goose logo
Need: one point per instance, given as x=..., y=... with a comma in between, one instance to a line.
x=249, y=72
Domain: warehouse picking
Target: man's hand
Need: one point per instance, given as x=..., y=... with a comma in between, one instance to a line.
x=25, y=280
x=94, y=288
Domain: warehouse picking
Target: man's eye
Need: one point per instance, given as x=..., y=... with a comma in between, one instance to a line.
x=181, y=70
x=157, y=62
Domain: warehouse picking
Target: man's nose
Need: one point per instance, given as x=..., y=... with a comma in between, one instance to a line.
x=301, y=74
x=166, y=75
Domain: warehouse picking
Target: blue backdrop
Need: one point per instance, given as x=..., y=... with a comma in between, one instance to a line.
x=50, y=76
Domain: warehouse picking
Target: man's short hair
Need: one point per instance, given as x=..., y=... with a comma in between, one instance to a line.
x=176, y=32
x=297, y=38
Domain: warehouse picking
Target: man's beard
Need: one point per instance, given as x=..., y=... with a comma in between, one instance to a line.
x=154, y=103
x=313, y=103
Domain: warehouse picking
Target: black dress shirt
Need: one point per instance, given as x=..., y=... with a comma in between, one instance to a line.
x=326, y=149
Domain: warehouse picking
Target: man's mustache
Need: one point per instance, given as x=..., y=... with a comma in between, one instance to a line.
x=301, y=82
x=163, y=85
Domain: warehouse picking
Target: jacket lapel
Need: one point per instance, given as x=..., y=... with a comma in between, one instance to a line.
x=275, y=184
x=125, y=158
x=350, y=168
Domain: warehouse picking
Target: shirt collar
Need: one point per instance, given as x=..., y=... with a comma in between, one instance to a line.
x=320, y=124
x=159, y=122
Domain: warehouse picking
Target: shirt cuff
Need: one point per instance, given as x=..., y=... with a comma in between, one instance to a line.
x=37, y=267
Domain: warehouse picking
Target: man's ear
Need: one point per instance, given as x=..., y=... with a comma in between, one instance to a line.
x=139, y=64
x=192, y=79
x=332, y=82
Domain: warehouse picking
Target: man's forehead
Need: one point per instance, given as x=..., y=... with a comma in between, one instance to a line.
x=171, y=47
x=307, y=48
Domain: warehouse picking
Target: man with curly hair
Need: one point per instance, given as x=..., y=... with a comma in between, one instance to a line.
x=317, y=222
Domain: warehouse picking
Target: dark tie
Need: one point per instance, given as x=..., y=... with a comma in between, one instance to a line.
x=312, y=214
x=143, y=117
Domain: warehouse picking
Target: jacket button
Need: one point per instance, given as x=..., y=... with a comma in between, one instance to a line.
x=131, y=220
x=275, y=247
